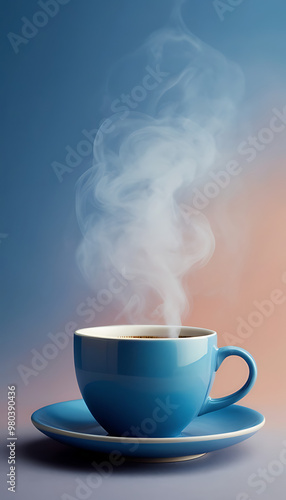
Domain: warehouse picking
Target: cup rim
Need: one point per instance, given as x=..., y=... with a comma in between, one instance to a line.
x=104, y=332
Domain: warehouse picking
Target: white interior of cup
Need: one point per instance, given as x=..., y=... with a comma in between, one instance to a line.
x=144, y=332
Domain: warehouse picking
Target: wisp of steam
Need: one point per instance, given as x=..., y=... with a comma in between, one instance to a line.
x=163, y=137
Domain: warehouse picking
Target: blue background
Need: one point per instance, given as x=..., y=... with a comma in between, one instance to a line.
x=50, y=91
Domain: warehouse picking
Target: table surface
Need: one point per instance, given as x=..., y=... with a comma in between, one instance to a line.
x=46, y=470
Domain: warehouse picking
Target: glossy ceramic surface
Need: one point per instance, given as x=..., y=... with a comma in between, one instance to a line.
x=71, y=423
x=151, y=386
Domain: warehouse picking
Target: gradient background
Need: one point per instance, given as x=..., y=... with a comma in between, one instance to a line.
x=51, y=90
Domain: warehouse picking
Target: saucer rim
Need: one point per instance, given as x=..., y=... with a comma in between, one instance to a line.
x=143, y=440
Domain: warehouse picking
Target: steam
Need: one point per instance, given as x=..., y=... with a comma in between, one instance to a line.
x=147, y=156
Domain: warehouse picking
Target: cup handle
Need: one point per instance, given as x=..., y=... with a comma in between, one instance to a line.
x=212, y=404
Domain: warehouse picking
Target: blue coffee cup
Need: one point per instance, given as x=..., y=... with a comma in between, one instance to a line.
x=137, y=381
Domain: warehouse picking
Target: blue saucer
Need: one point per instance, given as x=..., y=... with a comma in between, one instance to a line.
x=70, y=422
